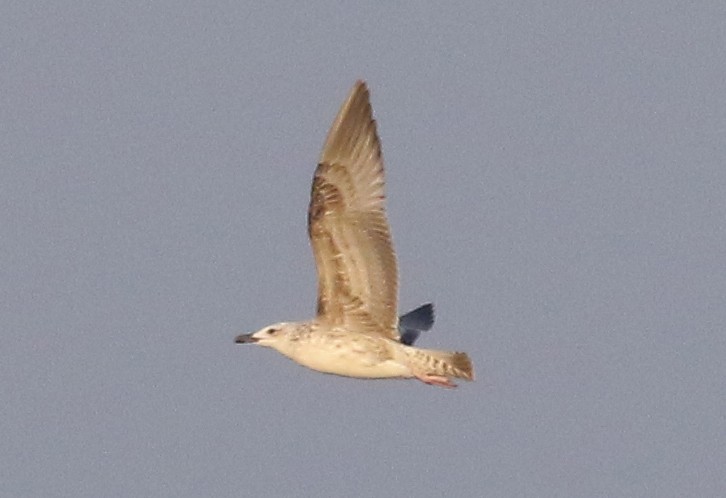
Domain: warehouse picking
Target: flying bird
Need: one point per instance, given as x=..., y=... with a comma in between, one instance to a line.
x=357, y=331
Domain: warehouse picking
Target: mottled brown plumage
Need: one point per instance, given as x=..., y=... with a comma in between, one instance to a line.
x=357, y=273
x=356, y=330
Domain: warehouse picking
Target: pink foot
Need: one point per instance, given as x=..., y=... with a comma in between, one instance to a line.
x=436, y=380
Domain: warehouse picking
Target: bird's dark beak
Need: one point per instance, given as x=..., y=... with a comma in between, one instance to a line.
x=245, y=339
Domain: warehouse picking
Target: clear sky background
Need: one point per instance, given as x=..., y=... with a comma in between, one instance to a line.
x=557, y=186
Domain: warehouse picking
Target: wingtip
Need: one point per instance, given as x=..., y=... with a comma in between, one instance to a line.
x=359, y=90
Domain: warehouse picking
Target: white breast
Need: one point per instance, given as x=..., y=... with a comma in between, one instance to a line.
x=350, y=356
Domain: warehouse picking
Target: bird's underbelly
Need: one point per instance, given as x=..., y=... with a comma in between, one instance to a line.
x=351, y=358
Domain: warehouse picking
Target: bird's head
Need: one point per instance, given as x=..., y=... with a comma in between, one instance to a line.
x=278, y=336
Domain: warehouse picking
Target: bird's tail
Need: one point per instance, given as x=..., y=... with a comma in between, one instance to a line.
x=431, y=364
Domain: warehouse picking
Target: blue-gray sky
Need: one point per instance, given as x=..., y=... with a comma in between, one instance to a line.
x=557, y=186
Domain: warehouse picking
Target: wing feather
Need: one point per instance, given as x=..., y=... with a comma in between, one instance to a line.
x=349, y=232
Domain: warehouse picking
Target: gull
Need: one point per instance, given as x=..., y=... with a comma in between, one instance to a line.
x=357, y=331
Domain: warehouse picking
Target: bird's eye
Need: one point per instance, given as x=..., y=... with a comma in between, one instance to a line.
x=271, y=331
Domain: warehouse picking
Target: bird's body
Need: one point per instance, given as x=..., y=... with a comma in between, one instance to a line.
x=335, y=350
x=357, y=332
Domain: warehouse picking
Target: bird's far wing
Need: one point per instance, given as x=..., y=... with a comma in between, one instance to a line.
x=349, y=233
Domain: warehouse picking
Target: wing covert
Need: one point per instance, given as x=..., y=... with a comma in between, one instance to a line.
x=347, y=225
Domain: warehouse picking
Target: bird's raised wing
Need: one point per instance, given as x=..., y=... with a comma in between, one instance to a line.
x=349, y=233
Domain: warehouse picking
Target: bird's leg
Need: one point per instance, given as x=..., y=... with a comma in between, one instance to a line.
x=435, y=380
